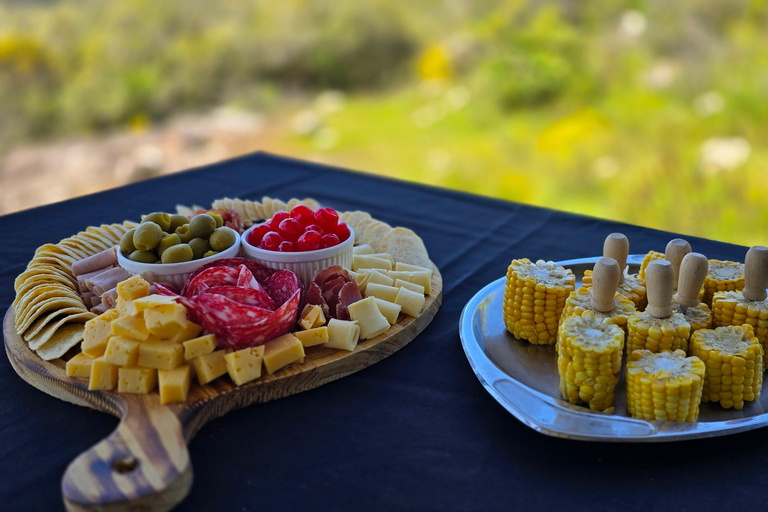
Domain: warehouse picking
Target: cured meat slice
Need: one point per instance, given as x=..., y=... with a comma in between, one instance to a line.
x=349, y=294
x=331, y=293
x=282, y=285
x=165, y=289
x=259, y=271
x=105, y=258
x=248, y=296
x=208, y=278
x=329, y=273
x=315, y=296
x=246, y=279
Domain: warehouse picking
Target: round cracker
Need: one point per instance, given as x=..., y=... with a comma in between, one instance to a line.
x=292, y=203
x=74, y=252
x=406, y=247
x=354, y=218
x=65, y=337
x=266, y=202
x=311, y=204
x=31, y=300
x=261, y=211
x=41, y=267
x=48, y=308
x=375, y=233
x=36, y=275
x=50, y=316
x=250, y=210
x=95, y=240
x=38, y=340
x=278, y=205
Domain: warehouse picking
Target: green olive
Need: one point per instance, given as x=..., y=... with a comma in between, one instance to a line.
x=184, y=234
x=202, y=226
x=177, y=254
x=210, y=253
x=161, y=219
x=168, y=241
x=199, y=247
x=222, y=238
x=176, y=221
x=217, y=217
x=126, y=243
x=147, y=236
x=143, y=257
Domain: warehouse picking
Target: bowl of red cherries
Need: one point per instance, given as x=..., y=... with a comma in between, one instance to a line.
x=302, y=240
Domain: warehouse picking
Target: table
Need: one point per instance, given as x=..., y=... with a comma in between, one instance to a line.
x=416, y=431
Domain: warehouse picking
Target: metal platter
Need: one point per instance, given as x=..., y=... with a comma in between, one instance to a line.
x=523, y=378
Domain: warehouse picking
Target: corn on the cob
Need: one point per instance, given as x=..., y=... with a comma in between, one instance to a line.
x=731, y=308
x=632, y=288
x=700, y=317
x=578, y=302
x=657, y=334
x=734, y=361
x=665, y=386
x=589, y=360
x=722, y=276
x=653, y=255
x=534, y=297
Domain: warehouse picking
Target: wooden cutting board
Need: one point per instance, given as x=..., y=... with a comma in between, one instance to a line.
x=144, y=464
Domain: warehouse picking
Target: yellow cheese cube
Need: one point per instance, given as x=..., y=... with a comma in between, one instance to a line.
x=244, y=365
x=282, y=351
x=159, y=354
x=312, y=337
x=311, y=316
x=97, y=333
x=174, y=384
x=79, y=366
x=189, y=333
x=135, y=379
x=137, y=306
x=103, y=374
x=122, y=351
x=199, y=346
x=166, y=320
x=130, y=327
x=210, y=366
x=133, y=288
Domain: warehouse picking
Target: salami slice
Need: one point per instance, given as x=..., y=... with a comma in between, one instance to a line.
x=315, y=296
x=247, y=296
x=329, y=273
x=165, y=289
x=259, y=271
x=208, y=278
x=246, y=279
x=282, y=285
x=349, y=294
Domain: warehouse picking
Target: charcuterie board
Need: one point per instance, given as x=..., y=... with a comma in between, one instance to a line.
x=144, y=464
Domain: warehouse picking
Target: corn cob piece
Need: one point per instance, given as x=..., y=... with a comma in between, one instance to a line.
x=665, y=386
x=651, y=256
x=722, y=276
x=579, y=301
x=731, y=308
x=700, y=317
x=657, y=334
x=734, y=361
x=589, y=360
x=534, y=297
x=632, y=288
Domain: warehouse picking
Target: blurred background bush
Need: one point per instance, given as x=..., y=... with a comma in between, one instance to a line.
x=651, y=112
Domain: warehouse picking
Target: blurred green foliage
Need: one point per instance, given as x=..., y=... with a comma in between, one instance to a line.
x=651, y=112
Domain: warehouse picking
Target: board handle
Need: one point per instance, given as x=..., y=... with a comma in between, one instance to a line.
x=143, y=465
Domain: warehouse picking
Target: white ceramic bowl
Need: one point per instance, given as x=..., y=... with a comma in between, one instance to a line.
x=303, y=264
x=176, y=274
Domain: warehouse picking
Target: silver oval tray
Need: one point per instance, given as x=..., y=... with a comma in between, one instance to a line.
x=523, y=378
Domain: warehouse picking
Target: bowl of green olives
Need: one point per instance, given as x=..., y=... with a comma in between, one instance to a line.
x=172, y=246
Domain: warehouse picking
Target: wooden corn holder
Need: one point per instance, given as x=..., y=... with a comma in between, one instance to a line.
x=658, y=282
x=676, y=250
x=616, y=246
x=756, y=273
x=605, y=281
x=693, y=272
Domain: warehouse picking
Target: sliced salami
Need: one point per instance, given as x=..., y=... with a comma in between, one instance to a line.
x=165, y=289
x=259, y=271
x=282, y=285
x=208, y=278
x=247, y=296
x=349, y=294
x=246, y=279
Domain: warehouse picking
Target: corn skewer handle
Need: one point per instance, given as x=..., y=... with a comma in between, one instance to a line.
x=693, y=272
x=616, y=246
x=658, y=283
x=605, y=281
x=756, y=273
x=674, y=253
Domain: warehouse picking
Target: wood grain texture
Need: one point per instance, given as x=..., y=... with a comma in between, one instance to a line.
x=144, y=464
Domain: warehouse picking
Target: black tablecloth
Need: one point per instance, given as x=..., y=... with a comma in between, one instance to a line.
x=416, y=431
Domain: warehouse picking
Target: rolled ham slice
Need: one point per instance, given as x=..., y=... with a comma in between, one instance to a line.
x=105, y=258
x=95, y=300
x=81, y=279
x=105, y=281
x=87, y=296
x=109, y=298
x=101, y=308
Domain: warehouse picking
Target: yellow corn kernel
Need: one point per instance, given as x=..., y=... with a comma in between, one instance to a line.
x=728, y=353
x=632, y=288
x=646, y=332
x=700, y=317
x=578, y=303
x=722, y=276
x=665, y=386
x=731, y=308
x=534, y=298
x=653, y=255
x=589, y=360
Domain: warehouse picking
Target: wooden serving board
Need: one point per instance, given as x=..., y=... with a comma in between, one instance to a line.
x=144, y=464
